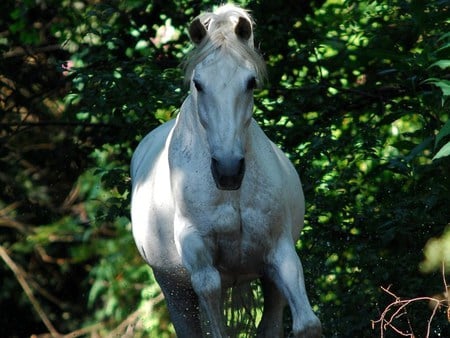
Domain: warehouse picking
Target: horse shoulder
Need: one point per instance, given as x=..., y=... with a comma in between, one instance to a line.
x=279, y=188
x=151, y=207
x=272, y=161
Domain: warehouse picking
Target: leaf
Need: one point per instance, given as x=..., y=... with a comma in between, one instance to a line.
x=443, y=64
x=444, y=36
x=447, y=45
x=445, y=151
x=444, y=132
x=443, y=84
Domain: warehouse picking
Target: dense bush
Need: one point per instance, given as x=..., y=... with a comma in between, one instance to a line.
x=357, y=97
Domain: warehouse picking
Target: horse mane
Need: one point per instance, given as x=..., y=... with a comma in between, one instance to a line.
x=221, y=36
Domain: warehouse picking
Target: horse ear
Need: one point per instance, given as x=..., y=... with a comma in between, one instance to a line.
x=197, y=31
x=243, y=28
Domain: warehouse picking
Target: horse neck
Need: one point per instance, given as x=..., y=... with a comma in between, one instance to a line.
x=188, y=118
x=188, y=124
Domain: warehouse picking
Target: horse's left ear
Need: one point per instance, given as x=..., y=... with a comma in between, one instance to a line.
x=243, y=28
x=197, y=31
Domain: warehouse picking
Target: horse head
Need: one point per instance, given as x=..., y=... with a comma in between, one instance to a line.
x=226, y=70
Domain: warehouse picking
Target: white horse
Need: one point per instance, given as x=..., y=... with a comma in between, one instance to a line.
x=214, y=202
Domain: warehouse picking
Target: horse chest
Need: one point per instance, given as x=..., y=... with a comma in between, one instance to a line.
x=241, y=236
x=238, y=218
x=225, y=219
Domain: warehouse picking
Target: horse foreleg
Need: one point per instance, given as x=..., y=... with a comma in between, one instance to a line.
x=271, y=324
x=285, y=270
x=182, y=303
x=205, y=280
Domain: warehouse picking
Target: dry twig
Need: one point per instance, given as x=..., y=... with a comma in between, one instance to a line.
x=398, y=307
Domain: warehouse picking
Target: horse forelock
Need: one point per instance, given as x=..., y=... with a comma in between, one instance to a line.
x=221, y=36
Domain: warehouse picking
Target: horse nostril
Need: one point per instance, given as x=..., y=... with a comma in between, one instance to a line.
x=228, y=173
x=214, y=164
x=241, y=167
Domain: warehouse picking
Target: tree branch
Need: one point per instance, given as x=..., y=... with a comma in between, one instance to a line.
x=58, y=124
x=125, y=328
x=77, y=333
x=18, y=272
x=27, y=50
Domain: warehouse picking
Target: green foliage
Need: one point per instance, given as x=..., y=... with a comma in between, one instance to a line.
x=357, y=97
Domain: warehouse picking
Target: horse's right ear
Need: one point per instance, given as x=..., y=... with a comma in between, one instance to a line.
x=197, y=31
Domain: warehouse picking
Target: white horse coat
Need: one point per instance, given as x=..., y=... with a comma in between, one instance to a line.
x=214, y=201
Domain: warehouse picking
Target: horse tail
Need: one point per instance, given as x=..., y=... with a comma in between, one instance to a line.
x=243, y=304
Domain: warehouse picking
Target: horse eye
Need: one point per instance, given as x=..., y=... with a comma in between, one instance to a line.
x=198, y=86
x=251, y=84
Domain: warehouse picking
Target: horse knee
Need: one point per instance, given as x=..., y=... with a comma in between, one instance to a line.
x=206, y=282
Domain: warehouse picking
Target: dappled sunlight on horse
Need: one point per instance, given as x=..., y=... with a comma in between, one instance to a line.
x=214, y=202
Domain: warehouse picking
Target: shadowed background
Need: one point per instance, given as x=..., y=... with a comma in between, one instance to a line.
x=357, y=97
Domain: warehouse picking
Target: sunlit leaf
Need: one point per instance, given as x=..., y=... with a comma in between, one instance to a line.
x=443, y=64
x=444, y=85
x=443, y=152
x=443, y=133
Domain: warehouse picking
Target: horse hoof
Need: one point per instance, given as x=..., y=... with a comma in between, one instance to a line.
x=313, y=329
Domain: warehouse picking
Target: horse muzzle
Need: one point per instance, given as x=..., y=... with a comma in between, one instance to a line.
x=228, y=173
